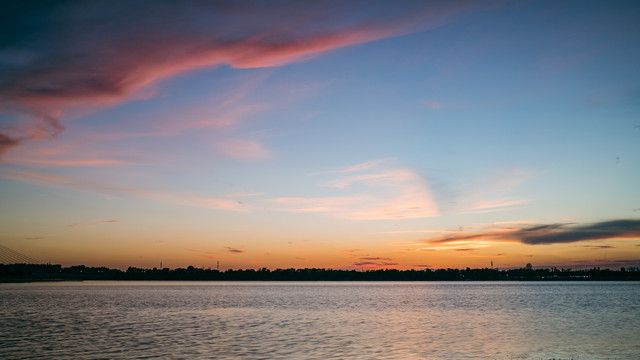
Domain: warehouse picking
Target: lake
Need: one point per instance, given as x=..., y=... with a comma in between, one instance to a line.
x=320, y=320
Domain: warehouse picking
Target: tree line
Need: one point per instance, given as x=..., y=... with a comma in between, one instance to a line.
x=36, y=272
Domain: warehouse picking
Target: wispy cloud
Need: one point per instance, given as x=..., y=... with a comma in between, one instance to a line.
x=338, y=205
x=355, y=168
x=384, y=178
x=176, y=198
x=379, y=190
x=48, y=127
x=220, y=113
x=241, y=195
x=93, y=223
x=25, y=124
x=7, y=142
x=489, y=191
x=492, y=206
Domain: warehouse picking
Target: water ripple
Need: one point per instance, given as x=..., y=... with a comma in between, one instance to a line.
x=94, y=320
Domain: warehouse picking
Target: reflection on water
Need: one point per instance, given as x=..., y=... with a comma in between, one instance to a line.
x=492, y=320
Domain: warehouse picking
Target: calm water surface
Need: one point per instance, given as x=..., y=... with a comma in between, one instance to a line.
x=323, y=320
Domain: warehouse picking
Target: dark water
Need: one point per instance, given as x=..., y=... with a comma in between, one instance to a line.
x=213, y=320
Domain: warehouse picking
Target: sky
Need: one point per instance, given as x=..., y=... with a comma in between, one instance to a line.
x=328, y=134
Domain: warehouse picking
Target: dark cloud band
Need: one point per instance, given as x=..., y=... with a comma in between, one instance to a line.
x=556, y=233
x=564, y=233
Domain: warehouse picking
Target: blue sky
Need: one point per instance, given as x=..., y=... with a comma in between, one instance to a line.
x=322, y=135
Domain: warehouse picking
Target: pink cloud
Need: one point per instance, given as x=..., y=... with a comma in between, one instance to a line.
x=101, y=53
x=243, y=149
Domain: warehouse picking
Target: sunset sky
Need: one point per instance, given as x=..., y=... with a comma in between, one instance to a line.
x=335, y=134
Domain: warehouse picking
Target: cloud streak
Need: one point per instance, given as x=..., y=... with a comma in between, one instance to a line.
x=597, y=247
x=492, y=206
x=94, y=223
x=71, y=163
x=233, y=250
x=375, y=264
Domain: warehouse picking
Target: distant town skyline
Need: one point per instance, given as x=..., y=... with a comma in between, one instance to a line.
x=324, y=134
